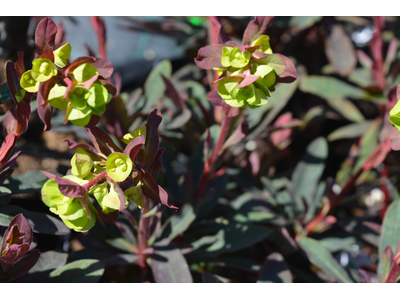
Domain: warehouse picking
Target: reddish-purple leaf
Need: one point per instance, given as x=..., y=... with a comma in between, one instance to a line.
x=102, y=141
x=14, y=252
x=364, y=276
x=17, y=120
x=45, y=35
x=109, y=218
x=11, y=160
x=104, y=67
x=392, y=98
x=110, y=87
x=20, y=65
x=134, y=146
x=215, y=98
x=117, y=83
x=209, y=57
x=73, y=145
x=45, y=110
x=173, y=94
x=77, y=62
x=207, y=145
x=255, y=29
x=84, y=202
x=69, y=188
x=12, y=80
x=222, y=38
x=100, y=30
x=49, y=175
x=152, y=139
x=238, y=135
x=289, y=74
x=156, y=165
x=6, y=148
x=23, y=227
x=48, y=53
x=153, y=191
x=249, y=79
x=94, y=120
x=229, y=110
x=23, y=265
x=60, y=34
x=394, y=138
x=255, y=162
x=116, y=118
x=279, y=136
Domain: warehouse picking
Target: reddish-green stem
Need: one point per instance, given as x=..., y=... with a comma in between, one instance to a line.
x=95, y=180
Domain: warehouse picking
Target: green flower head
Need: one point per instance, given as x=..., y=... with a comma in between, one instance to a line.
x=253, y=95
x=118, y=166
x=43, y=69
x=28, y=83
x=84, y=72
x=233, y=57
x=70, y=210
x=98, y=97
x=61, y=55
x=108, y=198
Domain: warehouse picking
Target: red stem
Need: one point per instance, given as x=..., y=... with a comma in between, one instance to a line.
x=95, y=180
x=209, y=164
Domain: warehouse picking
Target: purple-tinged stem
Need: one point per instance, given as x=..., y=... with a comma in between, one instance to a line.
x=95, y=180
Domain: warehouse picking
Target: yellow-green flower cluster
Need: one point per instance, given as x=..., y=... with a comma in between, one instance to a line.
x=237, y=63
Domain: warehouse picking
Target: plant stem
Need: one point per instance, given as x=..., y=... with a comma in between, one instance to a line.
x=209, y=164
x=95, y=180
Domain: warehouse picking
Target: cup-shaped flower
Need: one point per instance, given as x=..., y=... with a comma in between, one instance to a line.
x=135, y=194
x=107, y=197
x=55, y=97
x=84, y=72
x=70, y=210
x=28, y=83
x=266, y=73
x=81, y=163
x=263, y=42
x=119, y=166
x=394, y=115
x=43, y=69
x=61, y=55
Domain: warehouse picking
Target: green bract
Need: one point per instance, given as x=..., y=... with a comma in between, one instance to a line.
x=55, y=97
x=61, y=55
x=70, y=210
x=81, y=163
x=118, y=166
x=130, y=136
x=108, y=198
x=233, y=57
x=28, y=83
x=135, y=194
x=263, y=41
x=20, y=95
x=43, y=69
x=84, y=72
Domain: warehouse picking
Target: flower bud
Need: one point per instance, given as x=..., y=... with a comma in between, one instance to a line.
x=43, y=69
x=239, y=59
x=28, y=83
x=84, y=72
x=61, y=55
x=118, y=166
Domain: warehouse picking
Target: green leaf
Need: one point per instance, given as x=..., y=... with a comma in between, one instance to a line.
x=349, y=131
x=390, y=235
x=346, y=108
x=309, y=170
x=275, y=270
x=181, y=221
x=49, y=260
x=80, y=271
x=323, y=259
x=328, y=87
x=26, y=183
x=168, y=263
x=154, y=86
x=40, y=222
